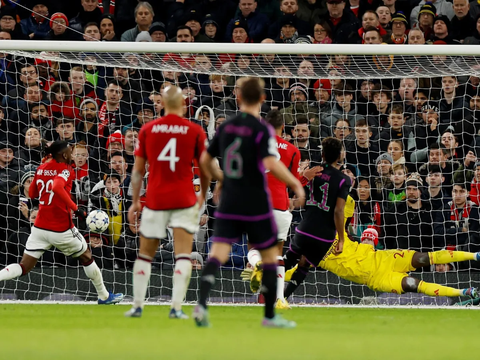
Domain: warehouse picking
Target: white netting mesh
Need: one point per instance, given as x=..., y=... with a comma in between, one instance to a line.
x=99, y=100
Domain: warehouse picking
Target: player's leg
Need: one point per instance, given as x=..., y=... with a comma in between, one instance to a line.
x=182, y=272
x=152, y=229
x=218, y=256
x=410, y=284
x=13, y=271
x=298, y=277
x=37, y=244
x=442, y=257
x=283, y=220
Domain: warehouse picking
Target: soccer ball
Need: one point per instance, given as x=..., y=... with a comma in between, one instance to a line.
x=97, y=221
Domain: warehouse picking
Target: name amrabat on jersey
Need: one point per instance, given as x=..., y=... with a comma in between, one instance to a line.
x=170, y=129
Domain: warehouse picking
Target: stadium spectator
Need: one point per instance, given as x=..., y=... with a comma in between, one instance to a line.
x=382, y=98
x=459, y=222
x=450, y=141
x=91, y=32
x=119, y=164
x=131, y=138
x=289, y=8
x=143, y=17
x=258, y=23
x=184, y=34
x=31, y=153
x=384, y=16
x=158, y=32
x=343, y=23
x=383, y=181
x=211, y=28
x=416, y=37
x=442, y=7
x=107, y=28
x=87, y=129
x=365, y=94
x=27, y=76
x=396, y=151
x=425, y=19
x=344, y=108
x=452, y=104
x=60, y=28
x=8, y=22
x=61, y=102
x=299, y=107
x=434, y=192
x=111, y=115
x=424, y=133
x=37, y=26
x=367, y=211
x=408, y=224
x=193, y=19
x=397, y=130
x=341, y=130
x=462, y=24
x=126, y=248
x=145, y=112
x=90, y=13
x=80, y=87
x=131, y=90
x=217, y=92
x=302, y=139
x=475, y=185
x=370, y=20
x=371, y=35
x=405, y=95
x=474, y=37
x=438, y=155
x=399, y=29
x=322, y=34
x=288, y=30
x=362, y=152
x=9, y=169
x=441, y=30
x=65, y=129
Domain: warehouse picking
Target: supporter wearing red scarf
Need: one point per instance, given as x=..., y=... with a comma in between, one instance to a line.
x=109, y=111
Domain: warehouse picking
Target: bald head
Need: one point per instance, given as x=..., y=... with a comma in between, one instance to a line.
x=267, y=41
x=173, y=98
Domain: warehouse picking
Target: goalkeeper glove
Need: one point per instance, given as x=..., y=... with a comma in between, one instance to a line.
x=81, y=213
x=246, y=274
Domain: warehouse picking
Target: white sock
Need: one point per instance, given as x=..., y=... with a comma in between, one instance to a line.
x=12, y=271
x=93, y=273
x=181, y=279
x=254, y=257
x=142, y=268
x=280, y=278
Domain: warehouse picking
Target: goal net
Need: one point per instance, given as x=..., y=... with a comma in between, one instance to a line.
x=409, y=117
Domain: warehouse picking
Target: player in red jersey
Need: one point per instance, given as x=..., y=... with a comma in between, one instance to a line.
x=170, y=145
x=53, y=226
x=290, y=157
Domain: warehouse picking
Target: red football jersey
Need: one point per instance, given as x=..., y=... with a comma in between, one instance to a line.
x=53, y=213
x=290, y=156
x=170, y=145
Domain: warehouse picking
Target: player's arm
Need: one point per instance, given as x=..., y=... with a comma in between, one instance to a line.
x=281, y=172
x=58, y=189
x=339, y=217
x=209, y=166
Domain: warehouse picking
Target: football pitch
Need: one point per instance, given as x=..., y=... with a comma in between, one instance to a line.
x=31, y=331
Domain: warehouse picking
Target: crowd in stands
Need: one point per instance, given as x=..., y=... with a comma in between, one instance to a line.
x=412, y=144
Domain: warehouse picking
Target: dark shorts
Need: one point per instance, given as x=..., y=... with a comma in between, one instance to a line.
x=262, y=234
x=313, y=248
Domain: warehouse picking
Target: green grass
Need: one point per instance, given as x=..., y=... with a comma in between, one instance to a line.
x=95, y=332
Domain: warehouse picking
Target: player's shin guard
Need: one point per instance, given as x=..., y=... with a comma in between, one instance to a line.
x=142, y=268
x=181, y=279
x=93, y=273
x=12, y=271
x=298, y=278
x=269, y=289
x=431, y=289
x=280, y=277
x=254, y=257
x=448, y=256
x=207, y=280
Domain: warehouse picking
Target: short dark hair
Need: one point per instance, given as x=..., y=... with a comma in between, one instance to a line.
x=275, y=118
x=347, y=90
x=185, y=27
x=463, y=184
x=114, y=82
x=64, y=120
x=434, y=168
x=373, y=28
x=379, y=88
x=362, y=122
x=342, y=119
x=251, y=90
x=331, y=149
x=302, y=121
x=119, y=153
x=91, y=23
x=397, y=109
x=437, y=146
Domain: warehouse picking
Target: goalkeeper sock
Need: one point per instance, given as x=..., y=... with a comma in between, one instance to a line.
x=280, y=277
x=142, y=268
x=269, y=289
x=298, y=278
x=207, y=280
x=431, y=289
x=12, y=271
x=95, y=275
x=254, y=257
x=448, y=256
x=181, y=279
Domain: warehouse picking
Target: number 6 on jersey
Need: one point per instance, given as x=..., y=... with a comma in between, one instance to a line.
x=169, y=153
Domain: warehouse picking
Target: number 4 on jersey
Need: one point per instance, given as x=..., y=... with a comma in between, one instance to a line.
x=169, y=153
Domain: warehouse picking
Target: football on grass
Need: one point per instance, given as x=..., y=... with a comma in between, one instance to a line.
x=97, y=221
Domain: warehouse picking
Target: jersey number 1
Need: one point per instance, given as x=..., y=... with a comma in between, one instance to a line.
x=47, y=187
x=169, y=153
